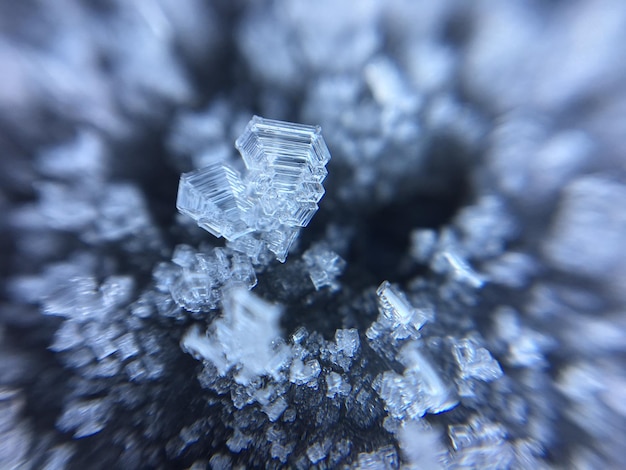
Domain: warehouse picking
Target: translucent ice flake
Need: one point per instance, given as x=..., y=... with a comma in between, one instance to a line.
x=268, y=142
x=347, y=342
x=385, y=458
x=397, y=316
x=286, y=164
x=275, y=409
x=324, y=266
x=195, y=280
x=475, y=362
x=344, y=350
x=304, y=372
x=480, y=444
x=419, y=390
x=450, y=263
x=215, y=198
x=81, y=299
x=336, y=385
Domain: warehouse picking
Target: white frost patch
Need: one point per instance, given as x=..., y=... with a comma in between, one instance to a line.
x=245, y=338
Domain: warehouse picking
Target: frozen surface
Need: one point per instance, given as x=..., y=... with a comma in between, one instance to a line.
x=457, y=301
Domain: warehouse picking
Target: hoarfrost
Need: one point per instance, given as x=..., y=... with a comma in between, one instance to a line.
x=286, y=164
x=336, y=385
x=304, y=372
x=419, y=390
x=196, y=280
x=397, y=316
x=243, y=339
x=587, y=234
x=385, y=458
x=475, y=361
x=324, y=266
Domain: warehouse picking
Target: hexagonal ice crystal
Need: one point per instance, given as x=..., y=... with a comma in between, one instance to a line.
x=266, y=142
x=215, y=198
x=286, y=164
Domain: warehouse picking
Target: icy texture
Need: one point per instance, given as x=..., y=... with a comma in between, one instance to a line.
x=385, y=458
x=84, y=418
x=418, y=391
x=487, y=135
x=522, y=346
x=336, y=385
x=98, y=336
x=397, y=317
x=243, y=339
x=422, y=446
x=587, y=234
x=480, y=444
x=196, y=280
x=15, y=435
x=215, y=197
x=345, y=348
x=475, y=362
x=286, y=164
x=324, y=266
x=304, y=373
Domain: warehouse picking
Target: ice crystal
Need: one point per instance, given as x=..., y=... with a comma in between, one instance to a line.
x=504, y=174
x=385, y=458
x=196, y=280
x=244, y=338
x=418, y=391
x=286, y=164
x=324, y=266
x=397, y=317
x=336, y=385
x=304, y=372
x=475, y=362
x=215, y=197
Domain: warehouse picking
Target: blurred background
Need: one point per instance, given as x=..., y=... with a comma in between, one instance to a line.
x=499, y=127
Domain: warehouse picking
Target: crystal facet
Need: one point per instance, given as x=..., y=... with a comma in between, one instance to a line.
x=285, y=165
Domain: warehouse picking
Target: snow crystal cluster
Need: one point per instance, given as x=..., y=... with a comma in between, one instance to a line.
x=457, y=302
x=324, y=266
x=285, y=166
x=195, y=280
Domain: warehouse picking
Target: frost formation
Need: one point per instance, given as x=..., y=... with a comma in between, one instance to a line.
x=457, y=301
x=285, y=166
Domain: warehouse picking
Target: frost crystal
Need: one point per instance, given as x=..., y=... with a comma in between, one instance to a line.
x=244, y=338
x=215, y=197
x=286, y=164
x=397, y=316
x=304, y=372
x=418, y=391
x=476, y=362
x=336, y=385
x=345, y=348
x=385, y=458
x=324, y=266
x=195, y=279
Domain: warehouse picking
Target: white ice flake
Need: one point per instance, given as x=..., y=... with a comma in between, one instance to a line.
x=243, y=340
